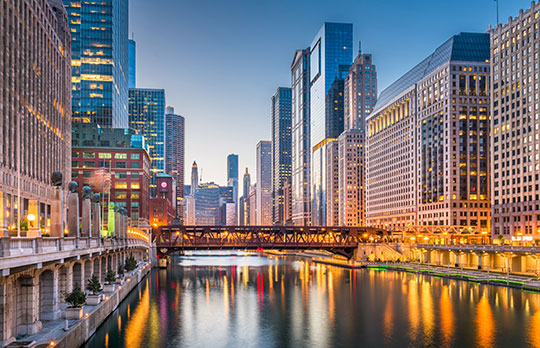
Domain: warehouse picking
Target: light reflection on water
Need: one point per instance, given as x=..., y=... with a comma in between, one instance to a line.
x=254, y=301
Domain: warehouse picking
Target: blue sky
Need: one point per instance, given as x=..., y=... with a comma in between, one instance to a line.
x=221, y=61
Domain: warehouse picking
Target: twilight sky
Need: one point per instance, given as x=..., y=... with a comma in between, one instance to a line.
x=220, y=62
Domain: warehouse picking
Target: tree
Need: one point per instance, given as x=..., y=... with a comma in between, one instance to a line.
x=76, y=298
x=93, y=285
x=120, y=270
x=111, y=276
x=131, y=263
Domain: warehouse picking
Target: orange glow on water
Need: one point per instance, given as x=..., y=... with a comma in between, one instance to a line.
x=485, y=325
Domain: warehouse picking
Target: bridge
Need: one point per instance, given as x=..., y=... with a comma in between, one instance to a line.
x=339, y=240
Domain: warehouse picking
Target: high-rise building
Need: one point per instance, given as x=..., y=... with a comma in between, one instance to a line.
x=360, y=91
x=243, y=201
x=207, y=198
x=332, y=183
x=147, y=117
x=264, y=183
x=35, y=112
x=359, y=98
x=300, y=144
x=252, y=206
x=351, y=189
x=515, y=153
x=331, y=52
x=232, y=174
x=194, y=178
x=99, y=60
x=281, y=151
x=174, y=153
x=427, y=145
x=132, y=64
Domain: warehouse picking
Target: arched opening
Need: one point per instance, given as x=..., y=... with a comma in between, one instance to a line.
x=96, y=270
x=103, y=267
x=63, y=286
x=77, y=275
x=47, y=296
x=87, y=272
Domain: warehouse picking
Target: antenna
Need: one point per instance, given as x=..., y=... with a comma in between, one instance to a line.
x=497, y=6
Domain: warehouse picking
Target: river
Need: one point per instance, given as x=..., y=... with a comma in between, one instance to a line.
x=249, y=300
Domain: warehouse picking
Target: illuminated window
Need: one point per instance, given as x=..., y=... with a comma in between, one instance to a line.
x=120, y=195
x=89, y=155
x=135, y=185
x=120, y=155
x=104, y=155
x=120, y=185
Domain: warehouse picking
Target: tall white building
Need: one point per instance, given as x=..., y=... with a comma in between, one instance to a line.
x=515, y=143
x=351, y=189
x=427, y=145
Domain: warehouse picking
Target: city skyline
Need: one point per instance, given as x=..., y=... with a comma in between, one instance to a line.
x=264, y=64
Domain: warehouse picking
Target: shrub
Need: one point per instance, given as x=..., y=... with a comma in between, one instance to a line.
x=131, y=263
x=120, y=270
x=76, y=298
x=111, y=276
x=93, y=285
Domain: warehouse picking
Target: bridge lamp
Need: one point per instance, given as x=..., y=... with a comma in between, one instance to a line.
x=31, y=218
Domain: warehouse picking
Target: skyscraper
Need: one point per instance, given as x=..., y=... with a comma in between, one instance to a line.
x=174, y=153
x=243, y=201
x=332, y=183
x=132, y=59
x=99, y=53
x=281, y=151
x=427, y=142
x=147, y=117
x=35, y=112
x=300, y=144
x=194, y=178
x=232, y=174
x=359, y=98
x=331, y=51
x=264, y=183
x=515, y=153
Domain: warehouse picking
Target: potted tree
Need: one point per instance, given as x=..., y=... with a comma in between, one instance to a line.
x=120, y=272
x=95, y=288
x=131, y=263
x=110, y=280
x=76, y=300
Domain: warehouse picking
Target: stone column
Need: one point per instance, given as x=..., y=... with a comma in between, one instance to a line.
x=117, y=224
x=57, y=212
x=73, y=210
x=96, y=215
x=86, y=212
x=27, y=305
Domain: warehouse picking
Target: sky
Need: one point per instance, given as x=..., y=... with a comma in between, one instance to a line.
x=220, y=62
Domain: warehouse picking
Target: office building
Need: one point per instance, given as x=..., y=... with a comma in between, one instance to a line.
x=330, y=57
x=132, y=64
x=252, y=206
x=300, y=143
x=207, y=204
x=99, y=60
x=147, y=117
x=243, y=201
x=427, y=143
x=281, y=151
x=174, y=153
x=194, y=178
x=332, y=183
x=351, y=176
x=162, y=206
x=232, y=177
x=113, y=162
x=515, y=153
x=264, y=184
x=35, y=112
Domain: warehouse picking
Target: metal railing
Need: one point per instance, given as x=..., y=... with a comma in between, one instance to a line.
x=480, y=247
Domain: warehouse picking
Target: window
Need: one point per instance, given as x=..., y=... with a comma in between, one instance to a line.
x=120, y=185
x=87, y=174
x=121, y=164
x=120, y=155
x=135, y=195
x=135, y=185
x=89, y=164
x=134, y=175
x=134, y=204
x=105, y=155
x=74, y=174
x=120, y=195
x=135, y=156
x=135, y=165
x=89, y=155
x=121, y=175
x=74, y=164
x=74, y=154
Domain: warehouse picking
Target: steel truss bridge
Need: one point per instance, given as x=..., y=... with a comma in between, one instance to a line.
x=338, y=240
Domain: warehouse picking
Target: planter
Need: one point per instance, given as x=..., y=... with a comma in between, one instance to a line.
x=74, y=313
x=93, y=300
x=120, y=281
x=109, y=287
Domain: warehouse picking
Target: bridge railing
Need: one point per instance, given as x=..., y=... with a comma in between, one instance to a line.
x=480, y=247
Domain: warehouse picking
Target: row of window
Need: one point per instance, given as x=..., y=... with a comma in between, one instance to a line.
x=106, y=155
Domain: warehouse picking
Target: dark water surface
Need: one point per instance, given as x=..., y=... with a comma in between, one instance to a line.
x=254, y=301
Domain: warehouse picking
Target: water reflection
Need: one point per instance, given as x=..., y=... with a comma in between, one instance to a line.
x=238, y=300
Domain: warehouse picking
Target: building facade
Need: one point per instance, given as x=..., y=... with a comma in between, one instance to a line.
x=281, y=152
x=331, y=51
x=332, y=183
x=427, y=146
x=99, y=60
x=147, y=117
x=300, y=142
x=360, y=92
x=35, y=112
x=264, y=184
x=163, y=206
x=114, y=163
x=132, y=64
x=174, y=153
x=351, y=173
x=515, y=153
x=232, y=178
x=194, y=178
x=243, y=201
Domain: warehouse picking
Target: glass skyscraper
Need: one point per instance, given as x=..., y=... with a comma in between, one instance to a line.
x=331, y=53
x=147, y=117
x=99, y=59
x=232, y=174
x=132, y=58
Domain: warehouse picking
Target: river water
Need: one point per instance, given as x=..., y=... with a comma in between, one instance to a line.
x=248, y=300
